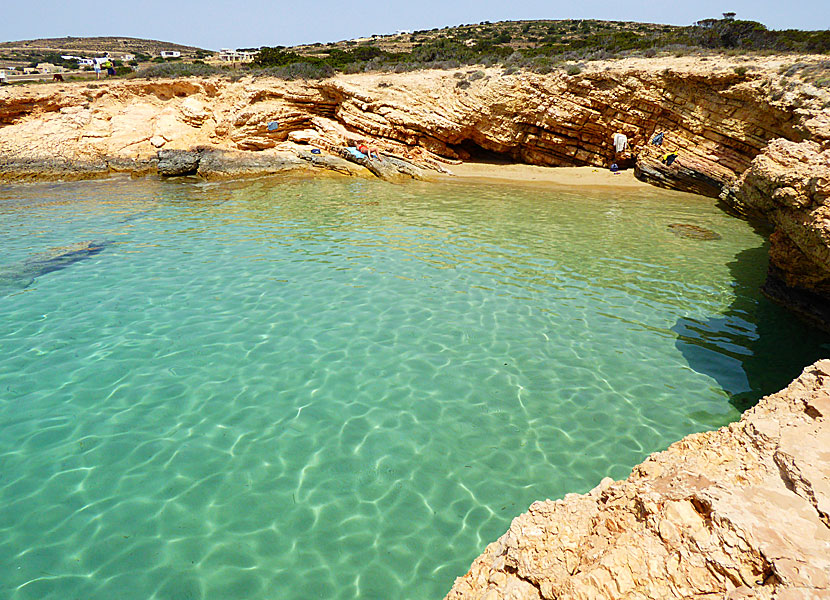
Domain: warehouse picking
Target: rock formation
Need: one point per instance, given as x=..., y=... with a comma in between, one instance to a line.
x=788, y=185
x=742, y=512
x=715, y=118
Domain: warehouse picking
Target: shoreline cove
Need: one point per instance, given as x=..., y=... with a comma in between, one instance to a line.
x=743, y=132
x=691, y=521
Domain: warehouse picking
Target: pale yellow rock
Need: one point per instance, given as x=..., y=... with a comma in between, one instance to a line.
x=193, y=112
x=304, y=136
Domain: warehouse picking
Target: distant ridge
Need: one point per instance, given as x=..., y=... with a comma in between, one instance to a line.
x=99, y=44
x=557, y=36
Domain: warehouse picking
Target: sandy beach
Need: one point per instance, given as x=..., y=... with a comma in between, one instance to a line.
x=569, y=176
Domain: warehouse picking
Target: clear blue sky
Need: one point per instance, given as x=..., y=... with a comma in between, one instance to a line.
x=221, y=23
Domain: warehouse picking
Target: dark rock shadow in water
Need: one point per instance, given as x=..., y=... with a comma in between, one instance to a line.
x=756, y=347
x=21, y=275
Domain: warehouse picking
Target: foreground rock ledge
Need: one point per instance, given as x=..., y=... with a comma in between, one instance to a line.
x=741, y=512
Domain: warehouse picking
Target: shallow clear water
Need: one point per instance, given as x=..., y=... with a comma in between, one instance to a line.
x=344, y=389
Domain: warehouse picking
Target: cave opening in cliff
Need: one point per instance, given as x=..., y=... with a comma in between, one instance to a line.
x=470, y=150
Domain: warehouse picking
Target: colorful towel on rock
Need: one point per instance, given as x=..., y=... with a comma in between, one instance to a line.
x=355, y=152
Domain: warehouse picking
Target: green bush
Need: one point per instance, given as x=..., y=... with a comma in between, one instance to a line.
x=276, y=57
x=489, y=44
x=299, y=70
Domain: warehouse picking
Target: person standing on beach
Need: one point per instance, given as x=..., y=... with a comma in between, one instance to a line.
x=97, y=66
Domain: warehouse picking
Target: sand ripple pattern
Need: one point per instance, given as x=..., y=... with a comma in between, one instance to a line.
x=299, y=389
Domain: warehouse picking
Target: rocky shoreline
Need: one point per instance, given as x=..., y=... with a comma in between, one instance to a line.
x=741, y=512
x=689, y=522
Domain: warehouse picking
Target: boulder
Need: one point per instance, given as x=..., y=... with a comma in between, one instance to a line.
x=225, y=164
x=687, y=172
x=172, y=163
x=388, y=168
x=334, y=163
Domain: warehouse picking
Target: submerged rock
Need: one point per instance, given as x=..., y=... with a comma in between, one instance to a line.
x=21, y=275
x=693, y=232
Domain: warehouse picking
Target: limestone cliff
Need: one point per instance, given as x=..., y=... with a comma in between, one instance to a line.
x=788, y=185
x=717, y=119
x=742, y=512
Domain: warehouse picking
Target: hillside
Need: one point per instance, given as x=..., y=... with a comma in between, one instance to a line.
x=32, y=51
x=508, y=34
x=540, y=46
x=99, y=44
x=570, y=35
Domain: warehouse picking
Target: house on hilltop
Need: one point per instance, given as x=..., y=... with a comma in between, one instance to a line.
x=47, y=68
x=170, y=54
x=228, y=55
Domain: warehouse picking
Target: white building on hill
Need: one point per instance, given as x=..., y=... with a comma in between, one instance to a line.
x=228, y=55
x=46, y=68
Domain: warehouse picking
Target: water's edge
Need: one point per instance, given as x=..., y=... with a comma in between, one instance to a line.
x=736, y=512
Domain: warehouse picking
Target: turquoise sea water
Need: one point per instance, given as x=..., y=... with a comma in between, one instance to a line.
x=302, y=389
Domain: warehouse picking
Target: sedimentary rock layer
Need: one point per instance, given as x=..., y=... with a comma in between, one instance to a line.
x=716, y=119
x=742, y=512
